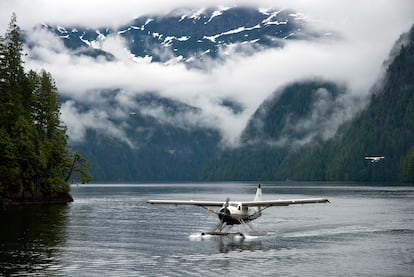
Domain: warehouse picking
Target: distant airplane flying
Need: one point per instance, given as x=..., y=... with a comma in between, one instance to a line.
x=374, y=159
x=239, y=212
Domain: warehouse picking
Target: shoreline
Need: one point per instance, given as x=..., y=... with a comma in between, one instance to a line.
x=24, y=199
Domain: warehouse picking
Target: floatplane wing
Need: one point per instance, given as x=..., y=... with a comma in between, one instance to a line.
x=187, y=202
x=267, y=203
x=270, y=203
x=239, y=212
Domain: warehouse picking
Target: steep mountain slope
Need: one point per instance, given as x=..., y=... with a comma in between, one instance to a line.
x=297, y=114
x=153, y=149
x=191, y=35
x=384, y=128
x=293, y=116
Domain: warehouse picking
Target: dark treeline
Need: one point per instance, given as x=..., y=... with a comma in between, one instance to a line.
x=34, y=160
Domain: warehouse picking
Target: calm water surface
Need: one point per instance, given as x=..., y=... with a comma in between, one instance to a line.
x=110, y=230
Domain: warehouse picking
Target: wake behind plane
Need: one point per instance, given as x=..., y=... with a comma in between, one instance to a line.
x=238, y=212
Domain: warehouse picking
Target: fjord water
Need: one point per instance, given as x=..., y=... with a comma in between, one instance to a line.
x=110, y=230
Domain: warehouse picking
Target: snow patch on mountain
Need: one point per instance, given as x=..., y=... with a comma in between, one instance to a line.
x=217, y=13
x=167, y=53
x=194, y=33
x=235, y=31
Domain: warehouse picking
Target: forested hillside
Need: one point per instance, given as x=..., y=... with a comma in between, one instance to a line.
x=34, y=161
x=293, y=116
x=164, y=154
x=384, y=128
x=158, y=150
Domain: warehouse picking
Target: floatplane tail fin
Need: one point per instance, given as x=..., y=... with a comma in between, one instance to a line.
x=258, y=196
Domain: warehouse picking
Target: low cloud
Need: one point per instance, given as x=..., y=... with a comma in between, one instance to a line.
x=327, y=114
x=79, y=122
x=364, y=35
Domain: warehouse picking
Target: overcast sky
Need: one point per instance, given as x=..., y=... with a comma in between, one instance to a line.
x=366, y=29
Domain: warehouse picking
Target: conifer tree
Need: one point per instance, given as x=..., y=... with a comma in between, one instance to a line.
x=12, y=75
x=33, y=143
x=11, y=108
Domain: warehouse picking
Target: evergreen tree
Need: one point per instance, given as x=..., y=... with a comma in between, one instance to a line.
x=51, y=140
x=407, y=166
x=12, y=76
x=33, y=143
x=12, y=115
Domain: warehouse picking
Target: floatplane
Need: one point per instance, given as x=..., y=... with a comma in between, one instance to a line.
x=240, y=212
x=374, y=159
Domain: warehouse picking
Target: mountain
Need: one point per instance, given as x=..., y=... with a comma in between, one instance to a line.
x=296, y=114
x=191, y=36
x=156, y=142
x=155, y=150
x=293, y=116
x=307, y=130
x=384, y=128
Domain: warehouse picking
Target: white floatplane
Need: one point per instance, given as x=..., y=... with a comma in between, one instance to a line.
x=374, y=159
x=240, y=212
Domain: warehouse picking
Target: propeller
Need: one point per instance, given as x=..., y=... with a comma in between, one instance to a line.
x=222, y=213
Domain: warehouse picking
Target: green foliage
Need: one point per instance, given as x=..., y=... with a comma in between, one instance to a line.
x=80, y=167
x=407, y=167
x=33, y=153
x=9, y=168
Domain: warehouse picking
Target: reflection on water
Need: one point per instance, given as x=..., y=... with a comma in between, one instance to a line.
x=231, y=242
x=110, y=230
x=30, y=238
x=225, y=246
